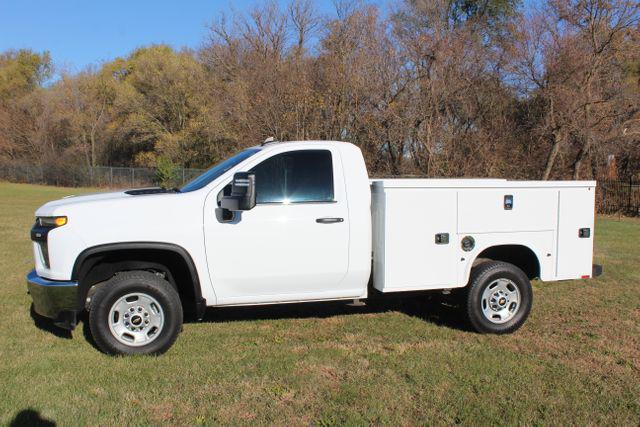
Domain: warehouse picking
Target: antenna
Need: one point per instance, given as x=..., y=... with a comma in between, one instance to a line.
x=269, y=140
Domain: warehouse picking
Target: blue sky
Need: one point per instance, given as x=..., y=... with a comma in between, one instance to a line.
x=78, y=33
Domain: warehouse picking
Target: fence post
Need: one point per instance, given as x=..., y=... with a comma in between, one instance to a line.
x=629, y=197
x=183, y=175
x=110, y=176
x=133, y=171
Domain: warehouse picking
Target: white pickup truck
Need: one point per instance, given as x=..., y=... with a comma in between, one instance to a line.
x=301, y=221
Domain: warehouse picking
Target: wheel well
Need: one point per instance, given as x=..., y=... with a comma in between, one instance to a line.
x=520, y=256
x=98, y=265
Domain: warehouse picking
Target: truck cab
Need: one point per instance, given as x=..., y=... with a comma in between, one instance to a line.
x=308, y=236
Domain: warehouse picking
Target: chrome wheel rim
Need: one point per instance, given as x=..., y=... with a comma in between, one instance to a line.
x=500, y=301
x=136, y=319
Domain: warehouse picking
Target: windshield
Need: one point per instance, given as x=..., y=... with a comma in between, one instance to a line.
x=213, y=173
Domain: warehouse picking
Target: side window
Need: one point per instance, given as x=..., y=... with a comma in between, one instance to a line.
x=297, y=176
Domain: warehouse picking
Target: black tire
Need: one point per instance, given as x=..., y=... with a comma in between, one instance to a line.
x=142, y=282
x=486, y=274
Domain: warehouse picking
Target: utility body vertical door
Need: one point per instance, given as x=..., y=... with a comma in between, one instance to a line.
x=575, y=233
x=294, y=244
x=415, y=242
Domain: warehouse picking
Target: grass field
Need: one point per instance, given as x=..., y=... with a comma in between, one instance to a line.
x=576, y=360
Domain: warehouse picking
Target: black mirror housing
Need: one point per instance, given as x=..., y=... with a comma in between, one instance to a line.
x=243, y=193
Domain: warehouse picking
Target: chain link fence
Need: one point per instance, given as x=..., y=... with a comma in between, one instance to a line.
x=612, y=196
x=98, y=176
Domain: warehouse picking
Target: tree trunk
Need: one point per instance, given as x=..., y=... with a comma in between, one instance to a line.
x=584, y=151
x=555, y=149
x=93, y=150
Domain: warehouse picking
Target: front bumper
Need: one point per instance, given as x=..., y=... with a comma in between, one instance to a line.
x=57, y=300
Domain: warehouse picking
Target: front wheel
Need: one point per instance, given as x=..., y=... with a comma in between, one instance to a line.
x=135, y=312
x=499, y=298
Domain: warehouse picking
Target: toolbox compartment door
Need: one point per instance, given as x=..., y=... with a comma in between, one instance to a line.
x=408, y=255
x=575, y=249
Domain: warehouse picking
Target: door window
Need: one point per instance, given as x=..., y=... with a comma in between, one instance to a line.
x=294, y=177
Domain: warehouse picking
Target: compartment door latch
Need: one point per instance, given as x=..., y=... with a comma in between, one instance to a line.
x=508, y=202
x=442, y=238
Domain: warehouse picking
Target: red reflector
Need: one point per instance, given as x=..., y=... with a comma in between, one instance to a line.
x=586, y=276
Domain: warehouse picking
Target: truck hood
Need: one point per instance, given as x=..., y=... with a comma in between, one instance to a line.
x=58, y=207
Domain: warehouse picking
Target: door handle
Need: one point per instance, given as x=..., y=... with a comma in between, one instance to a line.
x=329, y=220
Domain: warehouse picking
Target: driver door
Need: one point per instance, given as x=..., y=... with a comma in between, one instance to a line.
x=294, y=244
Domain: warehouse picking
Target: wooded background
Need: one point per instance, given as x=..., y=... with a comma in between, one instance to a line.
x=482, y=88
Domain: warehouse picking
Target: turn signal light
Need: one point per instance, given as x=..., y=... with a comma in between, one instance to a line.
x=52, y=221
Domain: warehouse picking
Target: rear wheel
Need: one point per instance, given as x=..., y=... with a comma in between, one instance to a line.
x=135, y=312
x=499, y=298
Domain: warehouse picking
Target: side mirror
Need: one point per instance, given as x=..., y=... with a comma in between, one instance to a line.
x=243, y=193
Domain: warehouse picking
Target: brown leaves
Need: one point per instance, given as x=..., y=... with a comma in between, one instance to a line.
x=436, y=88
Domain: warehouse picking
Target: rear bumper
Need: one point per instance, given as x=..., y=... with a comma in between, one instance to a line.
x=57, y=300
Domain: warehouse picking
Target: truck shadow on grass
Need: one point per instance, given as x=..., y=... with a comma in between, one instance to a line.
x=47, y=325
x=432, y=309
x=429, y=309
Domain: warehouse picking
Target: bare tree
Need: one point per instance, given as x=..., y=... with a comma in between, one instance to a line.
x=433, y=88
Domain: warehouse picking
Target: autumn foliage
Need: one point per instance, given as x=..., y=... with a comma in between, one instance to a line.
x=429, y=87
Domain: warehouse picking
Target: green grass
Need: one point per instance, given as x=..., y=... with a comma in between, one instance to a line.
x=576, y=360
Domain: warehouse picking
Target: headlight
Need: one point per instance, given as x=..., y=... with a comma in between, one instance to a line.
x=51, y=221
